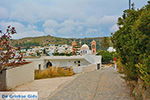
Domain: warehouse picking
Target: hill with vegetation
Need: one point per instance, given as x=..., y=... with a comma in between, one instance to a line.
x=102, y=42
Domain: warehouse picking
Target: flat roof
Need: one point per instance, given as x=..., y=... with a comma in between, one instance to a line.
x=62, y=57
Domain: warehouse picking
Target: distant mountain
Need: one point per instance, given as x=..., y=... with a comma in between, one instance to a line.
x=45, y=40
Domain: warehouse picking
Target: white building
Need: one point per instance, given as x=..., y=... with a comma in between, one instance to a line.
x=85, y=50
x=78, y=63
x=49, y=49
x=111, y=49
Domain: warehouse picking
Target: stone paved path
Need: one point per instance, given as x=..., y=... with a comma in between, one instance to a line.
x=104, y=84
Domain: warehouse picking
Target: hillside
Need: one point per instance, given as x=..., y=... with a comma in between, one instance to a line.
x=45, y=40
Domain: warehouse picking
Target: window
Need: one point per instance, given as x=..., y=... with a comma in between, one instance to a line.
x=78, y=63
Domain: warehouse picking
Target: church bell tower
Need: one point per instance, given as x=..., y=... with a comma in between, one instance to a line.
x=93, y=47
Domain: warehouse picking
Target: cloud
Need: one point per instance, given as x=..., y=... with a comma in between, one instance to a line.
x=3, y=12
x=50, y=31
x=114, y=28
x=22, y=30
x=91, y=26
x=50, y=23
x=63, y=18
x=108, y=19
x=89, y=31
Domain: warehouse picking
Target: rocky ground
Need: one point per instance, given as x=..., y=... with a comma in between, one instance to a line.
x=104, y=84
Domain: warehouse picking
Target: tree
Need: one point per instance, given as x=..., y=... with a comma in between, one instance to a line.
x=8, y=55
x=105, y=43
x=132, y=42
x=107, y=57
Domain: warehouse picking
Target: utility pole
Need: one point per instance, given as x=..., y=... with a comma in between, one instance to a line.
x=129, y=4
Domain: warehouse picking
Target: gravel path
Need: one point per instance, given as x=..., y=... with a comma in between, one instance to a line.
x=104, y=84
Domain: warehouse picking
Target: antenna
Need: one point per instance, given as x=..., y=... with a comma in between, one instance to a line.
x=129, y=4
x=133, y=6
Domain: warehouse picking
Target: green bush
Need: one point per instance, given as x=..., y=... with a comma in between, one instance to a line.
x=107, y=57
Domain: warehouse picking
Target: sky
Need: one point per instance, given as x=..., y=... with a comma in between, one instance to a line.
x=63, y=18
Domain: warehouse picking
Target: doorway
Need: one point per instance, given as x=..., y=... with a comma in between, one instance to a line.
x=49, y=64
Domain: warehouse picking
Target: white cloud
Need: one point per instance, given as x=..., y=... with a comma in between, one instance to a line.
x=22, y=30
x=67, y=18
x=91, y=31
x=76, y=28
x=3, y=12
x=60, y=18
x=50, y=24
x=108, y=19
x=114, y=28
x=50, y=31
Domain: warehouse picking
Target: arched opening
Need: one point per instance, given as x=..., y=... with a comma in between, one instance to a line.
x=49, y=64
x=39, y=66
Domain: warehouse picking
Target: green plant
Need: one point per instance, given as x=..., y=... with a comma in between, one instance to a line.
x=132, y=42
x=107, y=57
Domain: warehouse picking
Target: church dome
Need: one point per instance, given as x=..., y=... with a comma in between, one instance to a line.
x=85, y=47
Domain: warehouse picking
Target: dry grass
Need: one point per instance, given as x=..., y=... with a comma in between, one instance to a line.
x=53, y=72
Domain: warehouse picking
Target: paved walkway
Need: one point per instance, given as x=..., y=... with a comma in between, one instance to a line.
x=45, y=87
x=104, y=84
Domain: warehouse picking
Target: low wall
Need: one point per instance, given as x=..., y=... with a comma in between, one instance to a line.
x=89, y=68
x=2, y=80
x=16, y=76
x=86, y=68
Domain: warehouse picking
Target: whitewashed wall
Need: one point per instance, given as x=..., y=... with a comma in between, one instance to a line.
x=36, y=62
x=89, y=68
x=68, y=63
x=85, y=68
x=18, y=75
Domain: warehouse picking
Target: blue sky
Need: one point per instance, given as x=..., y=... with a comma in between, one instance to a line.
x=63, y=18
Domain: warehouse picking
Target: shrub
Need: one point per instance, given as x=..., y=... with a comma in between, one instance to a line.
x=53, y=72
x=107, y=57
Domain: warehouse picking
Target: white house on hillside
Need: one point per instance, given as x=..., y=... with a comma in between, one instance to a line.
x=111, y=49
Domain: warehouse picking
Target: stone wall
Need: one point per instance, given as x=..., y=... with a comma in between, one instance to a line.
x=13, y=77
